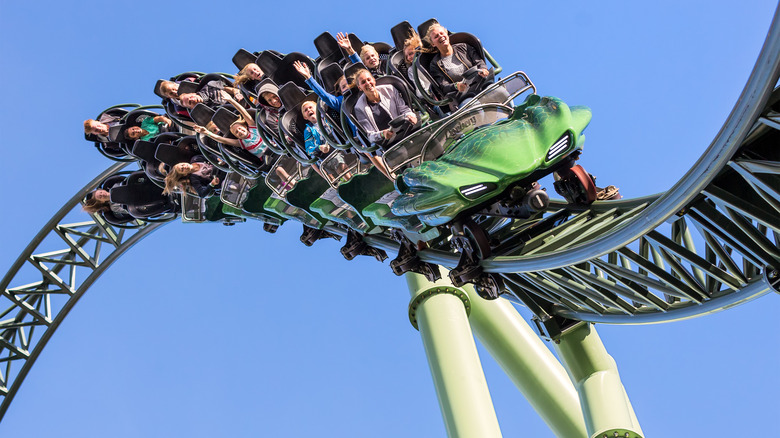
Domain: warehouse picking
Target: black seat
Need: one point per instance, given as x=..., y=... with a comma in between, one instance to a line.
x=238, y=159
x=189, y=76
x=383, y=49
x=141, y=197
x=330, y=76
x=210, y=150
x=397, y=67
x=205, y=79
x=180, y=152
x=333, y=133
x=111, y=149
x=268, y=61
x=177, y=113
x=422, y=28
x=291, y=94
x=187, y=87
x=168, y=137
x=400, y=33
x=112, y=217
x=244, y=57
x=284, y=71
x=145, y=150
x=331, y=53
x=292, y=122
x=327, y=47
x=202, y=114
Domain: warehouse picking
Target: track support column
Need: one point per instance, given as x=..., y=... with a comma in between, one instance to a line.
x=607, y=409
x=440, y=312
x=527, y=361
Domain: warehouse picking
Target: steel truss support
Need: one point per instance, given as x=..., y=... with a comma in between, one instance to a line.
x=440, y=312
x=527, y=361
x=608, y=412
x=586, y=398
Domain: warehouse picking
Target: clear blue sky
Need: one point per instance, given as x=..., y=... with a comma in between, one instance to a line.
x=203, y=330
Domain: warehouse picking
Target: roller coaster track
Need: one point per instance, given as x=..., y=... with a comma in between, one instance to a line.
x=712, y=241
x=708, y=243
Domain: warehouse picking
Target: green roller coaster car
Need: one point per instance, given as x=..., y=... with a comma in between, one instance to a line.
x=538, y=138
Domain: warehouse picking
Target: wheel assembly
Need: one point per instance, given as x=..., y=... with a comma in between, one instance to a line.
x=576, y=186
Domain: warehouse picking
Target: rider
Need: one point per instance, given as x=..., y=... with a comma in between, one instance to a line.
x=451, y=61
x=378, y=105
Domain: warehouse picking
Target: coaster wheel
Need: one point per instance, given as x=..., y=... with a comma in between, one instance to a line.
x=478, y=238
x=489, y=286
x=576, y=185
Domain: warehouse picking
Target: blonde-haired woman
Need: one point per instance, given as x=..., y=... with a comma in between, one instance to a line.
x=198, y=177
x=451, y=61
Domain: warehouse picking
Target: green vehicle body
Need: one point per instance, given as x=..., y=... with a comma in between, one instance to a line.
x=287, y=211
x=253, y=206
x=307, y=195
x=510, y=152
x=365, y=192
x=261, y=201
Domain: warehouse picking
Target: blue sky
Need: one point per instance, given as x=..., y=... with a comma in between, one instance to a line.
x=203, y=330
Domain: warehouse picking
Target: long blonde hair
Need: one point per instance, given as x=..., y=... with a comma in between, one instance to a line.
x=176, y=180
x=354, y=83
x=413, y=40
x=427, y=38
x=242, y=77
x=92, y=205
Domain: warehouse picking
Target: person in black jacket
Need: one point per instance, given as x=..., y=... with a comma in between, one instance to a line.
x=451, y=61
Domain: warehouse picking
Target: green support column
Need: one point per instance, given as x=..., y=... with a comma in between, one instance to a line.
x=608, y=412
x=527, y=361
x=440, y=312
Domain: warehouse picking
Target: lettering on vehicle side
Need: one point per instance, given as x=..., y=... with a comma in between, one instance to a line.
x=461, y=126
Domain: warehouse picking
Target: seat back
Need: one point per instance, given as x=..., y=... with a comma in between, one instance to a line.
x=400, y=33
x=113, y=111
x=348, y=110
x=133, y=118
x=202, y=114
x=327, y=46
x=244, y=57
x=286, y=72
x=290, y=95
x=329, y=77
x=205, y=79
x=182, y=152
x=422, y=28
x=136, y=190
x=144, y=150
x=293, y=124
x=268, y=61
x=223, y=118
x=397, y=67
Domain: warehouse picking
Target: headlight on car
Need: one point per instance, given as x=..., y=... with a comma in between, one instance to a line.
x=559, y=147
x=474, y=191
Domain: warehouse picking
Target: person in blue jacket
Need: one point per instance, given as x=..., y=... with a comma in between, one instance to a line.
x=335, y=101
